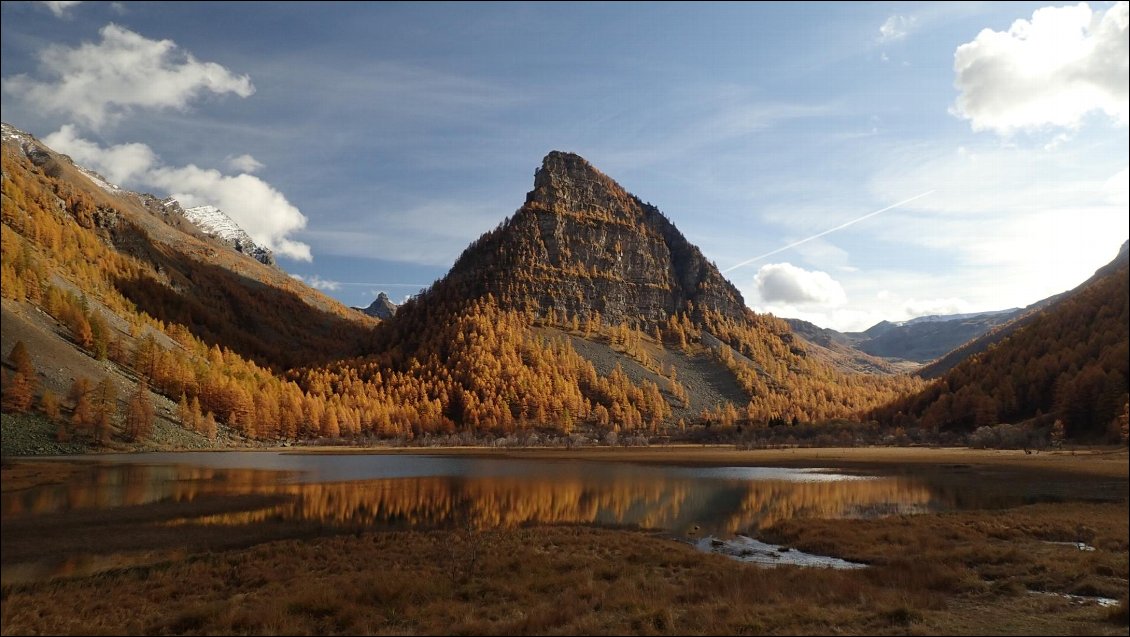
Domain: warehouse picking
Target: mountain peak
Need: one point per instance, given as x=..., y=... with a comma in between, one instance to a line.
x=567, y=183
x=581, y=245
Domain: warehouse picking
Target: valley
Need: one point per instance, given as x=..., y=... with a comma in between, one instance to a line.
x=564, y=318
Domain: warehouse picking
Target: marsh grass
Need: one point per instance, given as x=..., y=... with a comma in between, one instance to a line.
x=930, y=574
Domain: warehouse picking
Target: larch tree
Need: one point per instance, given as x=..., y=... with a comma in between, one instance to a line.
x=140, y=413
x=17, y=396
x=105, y=405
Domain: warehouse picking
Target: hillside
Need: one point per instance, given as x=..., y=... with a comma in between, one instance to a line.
x=102, y=284
x=1068, y=360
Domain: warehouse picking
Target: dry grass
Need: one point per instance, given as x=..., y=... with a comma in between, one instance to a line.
x=964, y=577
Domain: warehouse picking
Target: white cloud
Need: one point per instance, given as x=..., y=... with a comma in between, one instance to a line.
x=263, y=212
x=99, y=83
x=118, y=163
x=318, y=283
x=60, y=7
x=788, y=284
x=1051, y=71
x=244, y=163
x=258, y=208
x=896, y=27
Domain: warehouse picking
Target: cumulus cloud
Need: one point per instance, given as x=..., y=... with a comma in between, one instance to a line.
x=896, y=27
x=98, y=83
x=1051, y=71
x=118, y=163
x=60, y=7
x=318, y=283
x=263, y=212
x=786, y=283
x=244, y=163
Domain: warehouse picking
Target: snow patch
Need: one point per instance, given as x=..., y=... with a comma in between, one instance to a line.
x=7, y=131
x=215, y=223
x=98, y=180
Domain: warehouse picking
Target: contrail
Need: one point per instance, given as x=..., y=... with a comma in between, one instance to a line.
x=828, y=231
x=385, y=285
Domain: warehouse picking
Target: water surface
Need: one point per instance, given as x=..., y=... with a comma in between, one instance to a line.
x=173, y=502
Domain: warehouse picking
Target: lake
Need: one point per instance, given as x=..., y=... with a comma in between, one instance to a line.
x=125, y=509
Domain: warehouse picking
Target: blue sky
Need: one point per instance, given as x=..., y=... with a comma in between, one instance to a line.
x=369, y=143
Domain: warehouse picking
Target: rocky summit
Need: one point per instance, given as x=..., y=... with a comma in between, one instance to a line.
x=382, y=308
x=581, y=244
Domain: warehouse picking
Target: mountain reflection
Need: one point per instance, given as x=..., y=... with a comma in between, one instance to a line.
x=672, y=501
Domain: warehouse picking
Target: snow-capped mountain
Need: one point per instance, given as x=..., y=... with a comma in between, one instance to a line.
x=216, y=224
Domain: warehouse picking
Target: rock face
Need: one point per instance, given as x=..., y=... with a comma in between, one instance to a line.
x=382, y=307
x=582, y=244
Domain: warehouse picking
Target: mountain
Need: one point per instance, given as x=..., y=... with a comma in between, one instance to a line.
x=942, y=318
x=1068, y=359
x=925, y=338
x=218, y=225
x=581, y=245
x=589, y=305
x=586, y=313
x=919, y=340
x=381, y=307
x=843, y=352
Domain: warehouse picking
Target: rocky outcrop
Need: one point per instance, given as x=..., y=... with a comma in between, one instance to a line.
x=381, y=308
x=581, y=245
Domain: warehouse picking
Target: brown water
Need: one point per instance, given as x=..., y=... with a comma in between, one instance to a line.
x=162, y=497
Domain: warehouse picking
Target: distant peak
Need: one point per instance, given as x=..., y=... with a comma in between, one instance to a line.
x=381, y=308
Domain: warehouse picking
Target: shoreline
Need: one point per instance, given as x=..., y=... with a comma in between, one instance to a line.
x=1098, y=461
